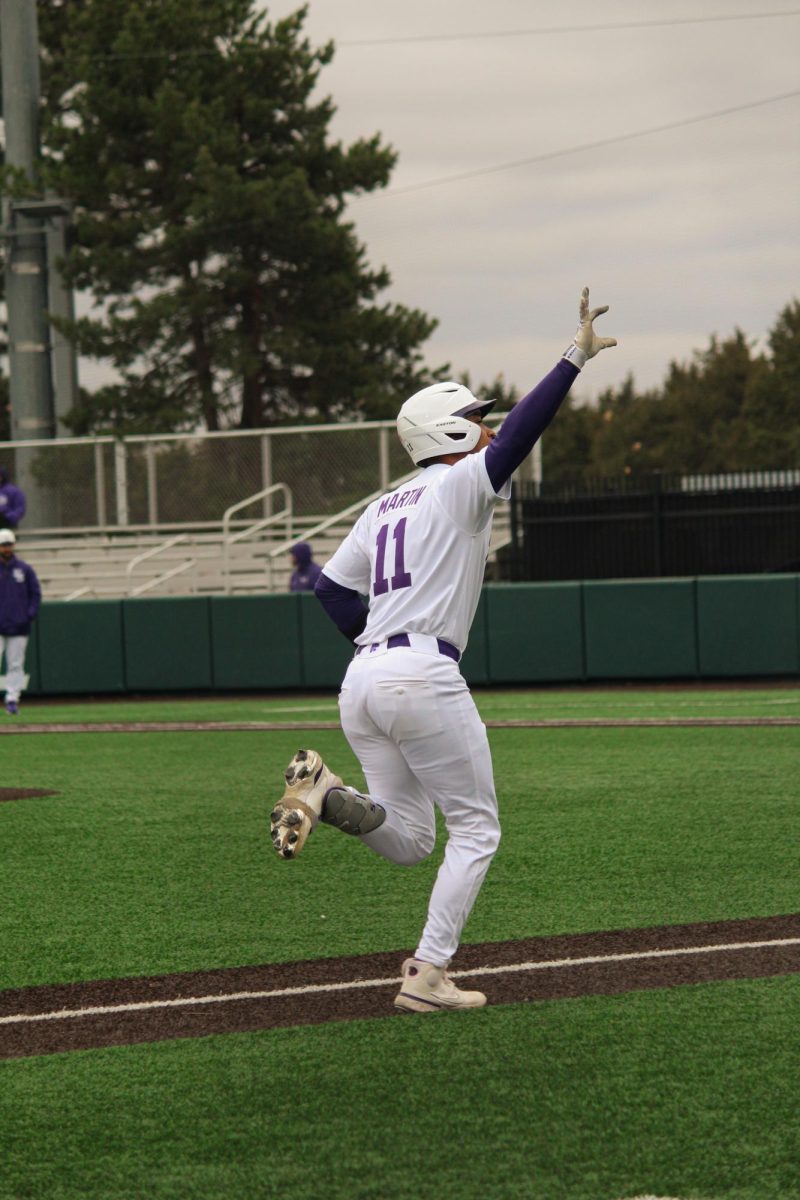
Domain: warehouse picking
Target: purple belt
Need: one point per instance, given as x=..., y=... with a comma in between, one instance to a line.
x=402, y=639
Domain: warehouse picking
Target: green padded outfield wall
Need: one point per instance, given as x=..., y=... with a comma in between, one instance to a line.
x=80, y=646
x=640, y=629
x=714, y=627
x=255, y=642
x=475, y=659
x=535, y=632
x=748, y=625
x=167, y=643
x=326, y=653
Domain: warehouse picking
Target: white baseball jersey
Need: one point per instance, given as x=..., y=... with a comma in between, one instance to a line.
x=420, y=553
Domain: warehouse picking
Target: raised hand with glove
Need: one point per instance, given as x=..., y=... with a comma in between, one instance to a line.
x=586, y=343
x=529, y=418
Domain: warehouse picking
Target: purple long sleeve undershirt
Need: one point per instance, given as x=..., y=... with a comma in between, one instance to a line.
x=526, y=423
x=521, y=429
x=344, y=606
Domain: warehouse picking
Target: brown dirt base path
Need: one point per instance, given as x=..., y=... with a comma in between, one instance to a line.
x=114, y=1012
x=7, y=793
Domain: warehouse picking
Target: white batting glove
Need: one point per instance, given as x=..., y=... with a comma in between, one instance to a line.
x=586, y=343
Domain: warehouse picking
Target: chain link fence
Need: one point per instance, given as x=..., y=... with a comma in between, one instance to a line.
x=174, y=480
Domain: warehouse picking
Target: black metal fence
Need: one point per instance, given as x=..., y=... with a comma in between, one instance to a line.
x=659, y=526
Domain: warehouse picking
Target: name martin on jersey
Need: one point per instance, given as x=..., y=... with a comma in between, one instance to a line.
x=400, y=500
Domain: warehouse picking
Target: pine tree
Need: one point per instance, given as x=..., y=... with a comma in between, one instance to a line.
x=771, y=409
x=210, y=228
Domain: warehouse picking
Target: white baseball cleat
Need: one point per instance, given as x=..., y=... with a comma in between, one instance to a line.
x=427, y=988
x=297, y=813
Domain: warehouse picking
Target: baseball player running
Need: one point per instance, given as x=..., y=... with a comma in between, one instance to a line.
x=419, y=553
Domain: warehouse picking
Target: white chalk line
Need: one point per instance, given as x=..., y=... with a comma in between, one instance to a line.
x=331, y=707
x=357, y=984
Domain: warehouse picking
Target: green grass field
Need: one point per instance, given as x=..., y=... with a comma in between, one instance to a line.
x=494, y=705
x=154, y=858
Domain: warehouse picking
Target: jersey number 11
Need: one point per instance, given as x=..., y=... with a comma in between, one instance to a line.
x=401, y=577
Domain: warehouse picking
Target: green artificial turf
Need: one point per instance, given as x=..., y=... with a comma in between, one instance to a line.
x=689, y=1092
x=155, y=856
x=518, y=704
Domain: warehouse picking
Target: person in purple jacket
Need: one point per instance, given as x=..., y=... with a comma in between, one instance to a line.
x=20, y=597
x=306, y=572
x=12, y=502
x=419, y=554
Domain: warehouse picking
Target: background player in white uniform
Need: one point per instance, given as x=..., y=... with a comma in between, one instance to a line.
x=419, y=553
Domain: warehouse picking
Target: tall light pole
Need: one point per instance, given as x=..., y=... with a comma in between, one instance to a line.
x=31, y=386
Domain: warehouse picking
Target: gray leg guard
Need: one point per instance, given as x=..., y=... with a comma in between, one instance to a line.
x=351, y=812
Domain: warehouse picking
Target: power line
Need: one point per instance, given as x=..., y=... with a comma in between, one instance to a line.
x=609, y=141
x=524, y=162
x=547, y=29
x=214, y=51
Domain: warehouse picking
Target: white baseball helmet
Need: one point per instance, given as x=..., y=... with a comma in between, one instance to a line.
x=433, y=421
x=7, y=538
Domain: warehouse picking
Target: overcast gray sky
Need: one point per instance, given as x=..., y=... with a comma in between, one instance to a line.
x=684, y=233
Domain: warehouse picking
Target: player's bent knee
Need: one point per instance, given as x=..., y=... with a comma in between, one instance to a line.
x=421, y=849
x=487, y=845
x=478, y=844
x=426, y=843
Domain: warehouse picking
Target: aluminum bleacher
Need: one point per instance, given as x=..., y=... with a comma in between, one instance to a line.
x=179, y=514
x=206, y=561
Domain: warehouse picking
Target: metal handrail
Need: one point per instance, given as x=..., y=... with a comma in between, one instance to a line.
x=151, y=583
x=284, y=547
x=140, y=558
x=228, y=540
x=265, y=521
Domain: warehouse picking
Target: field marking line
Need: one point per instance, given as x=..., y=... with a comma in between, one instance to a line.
x=331, y=706
x=354, y=984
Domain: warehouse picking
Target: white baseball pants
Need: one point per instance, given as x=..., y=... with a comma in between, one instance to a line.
x=14, y=647
x=413, y=725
